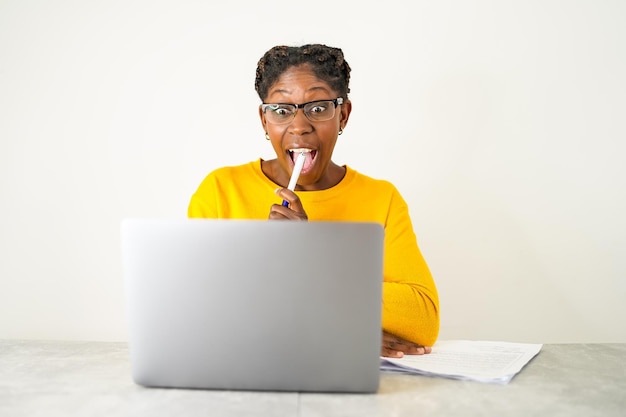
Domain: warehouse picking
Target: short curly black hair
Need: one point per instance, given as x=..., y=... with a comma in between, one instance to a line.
x=327, y=63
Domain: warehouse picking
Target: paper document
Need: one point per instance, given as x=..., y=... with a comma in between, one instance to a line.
x=484, y=361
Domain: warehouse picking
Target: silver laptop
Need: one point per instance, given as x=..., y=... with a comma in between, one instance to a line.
x=254, y=304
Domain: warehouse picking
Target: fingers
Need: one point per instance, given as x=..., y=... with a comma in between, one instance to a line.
x=291, y=197
x=390, y=353
x=396, y=347
x=294, y=211
x=399, y=350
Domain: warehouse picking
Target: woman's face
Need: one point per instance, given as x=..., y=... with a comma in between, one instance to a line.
x=299, y=85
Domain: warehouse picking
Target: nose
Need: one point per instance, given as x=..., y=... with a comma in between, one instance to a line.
x=300, y=123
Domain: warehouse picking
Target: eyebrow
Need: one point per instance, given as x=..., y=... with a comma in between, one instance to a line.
x=287, y=92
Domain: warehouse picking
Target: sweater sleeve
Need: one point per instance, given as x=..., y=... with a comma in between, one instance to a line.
x=410, y=299
x=203, y=203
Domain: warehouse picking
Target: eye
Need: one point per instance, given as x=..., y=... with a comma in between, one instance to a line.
x=281, y=111
x=317, y=108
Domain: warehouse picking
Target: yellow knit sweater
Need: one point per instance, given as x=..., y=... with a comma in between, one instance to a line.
x=410, y=301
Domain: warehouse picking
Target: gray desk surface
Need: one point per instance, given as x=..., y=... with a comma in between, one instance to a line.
x=40, y=378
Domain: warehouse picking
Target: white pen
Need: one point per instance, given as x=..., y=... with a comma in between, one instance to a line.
x=295, y=174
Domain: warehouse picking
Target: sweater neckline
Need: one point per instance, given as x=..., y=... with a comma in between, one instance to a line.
x=317, y=194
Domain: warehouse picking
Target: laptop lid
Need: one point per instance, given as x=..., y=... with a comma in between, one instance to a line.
x=254, y=305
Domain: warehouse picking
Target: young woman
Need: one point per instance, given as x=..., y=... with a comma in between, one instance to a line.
x=304, y=91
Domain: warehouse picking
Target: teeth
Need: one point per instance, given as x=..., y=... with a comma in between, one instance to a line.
x=298, y=150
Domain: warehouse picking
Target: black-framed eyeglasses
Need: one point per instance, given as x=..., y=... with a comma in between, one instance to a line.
x=315, y=111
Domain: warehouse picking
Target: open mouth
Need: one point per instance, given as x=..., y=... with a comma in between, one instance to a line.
x=309, y=154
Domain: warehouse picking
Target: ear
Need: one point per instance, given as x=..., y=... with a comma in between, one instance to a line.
x=346, y=109
x=263, y=121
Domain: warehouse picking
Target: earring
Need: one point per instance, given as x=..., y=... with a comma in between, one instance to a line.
x=267, y=137
x=340, y=131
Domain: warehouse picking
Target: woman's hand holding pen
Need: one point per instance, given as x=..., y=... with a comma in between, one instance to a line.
x=395, y=347
x=291, y=208
x=293, y=211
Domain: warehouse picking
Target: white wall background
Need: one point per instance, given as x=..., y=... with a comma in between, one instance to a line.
x=501, y=122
